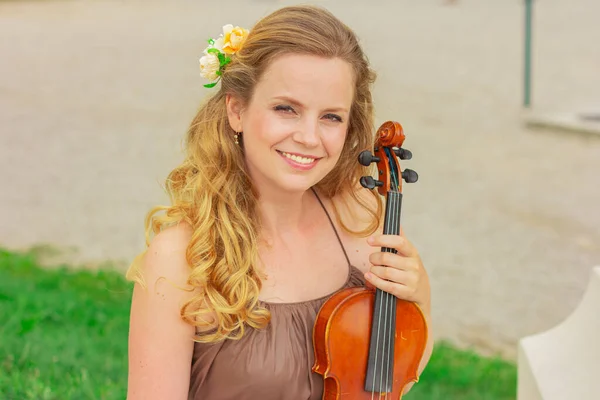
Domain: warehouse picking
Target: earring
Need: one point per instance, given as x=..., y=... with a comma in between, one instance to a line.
x=236, y=137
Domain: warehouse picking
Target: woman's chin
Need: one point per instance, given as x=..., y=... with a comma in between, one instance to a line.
x=286, y=182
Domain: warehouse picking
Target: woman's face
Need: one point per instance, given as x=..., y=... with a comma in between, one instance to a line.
x=295, y=125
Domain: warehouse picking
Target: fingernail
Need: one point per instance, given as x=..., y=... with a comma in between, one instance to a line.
x=370, y=239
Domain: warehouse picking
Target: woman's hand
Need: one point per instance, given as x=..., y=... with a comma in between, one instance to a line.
x=401, y=274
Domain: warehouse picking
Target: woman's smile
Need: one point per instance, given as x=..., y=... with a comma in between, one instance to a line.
x=299, y=161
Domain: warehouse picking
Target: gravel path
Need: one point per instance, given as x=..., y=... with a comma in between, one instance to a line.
x=95, y=98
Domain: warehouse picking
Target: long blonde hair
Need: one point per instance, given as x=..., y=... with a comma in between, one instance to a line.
x=212, y=192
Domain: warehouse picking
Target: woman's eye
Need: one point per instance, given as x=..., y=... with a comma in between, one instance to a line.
x=333, y=117
x=284, y=108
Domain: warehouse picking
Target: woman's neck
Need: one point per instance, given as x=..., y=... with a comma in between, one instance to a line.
x=284, y=212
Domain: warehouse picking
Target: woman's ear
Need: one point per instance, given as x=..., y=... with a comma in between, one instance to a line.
x=234, y=112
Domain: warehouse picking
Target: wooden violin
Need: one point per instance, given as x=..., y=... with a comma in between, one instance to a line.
x=367, y=343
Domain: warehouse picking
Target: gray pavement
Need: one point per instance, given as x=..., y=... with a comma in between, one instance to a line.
x=95, y=98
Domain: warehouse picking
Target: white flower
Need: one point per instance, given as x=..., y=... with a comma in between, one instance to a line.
x=219, y=44
x=209, y=65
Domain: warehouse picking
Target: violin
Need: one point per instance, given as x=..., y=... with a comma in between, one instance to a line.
x=367, y=343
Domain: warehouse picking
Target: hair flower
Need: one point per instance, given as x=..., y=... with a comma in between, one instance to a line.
x=217, y=53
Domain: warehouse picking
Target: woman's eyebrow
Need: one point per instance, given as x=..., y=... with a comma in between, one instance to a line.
x=288, y=99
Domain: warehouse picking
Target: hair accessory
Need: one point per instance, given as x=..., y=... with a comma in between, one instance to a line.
x=217, y=54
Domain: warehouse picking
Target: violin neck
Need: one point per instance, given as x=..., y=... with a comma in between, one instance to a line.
x=380, y=368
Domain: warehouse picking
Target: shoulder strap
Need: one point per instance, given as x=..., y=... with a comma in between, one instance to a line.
x=332, y=225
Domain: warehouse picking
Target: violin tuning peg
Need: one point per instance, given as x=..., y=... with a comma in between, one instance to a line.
x=403, y=153
x=369, y=183
x=410, y=176
x=366, y=158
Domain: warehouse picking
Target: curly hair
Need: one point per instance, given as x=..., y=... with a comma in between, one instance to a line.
x=212, y=192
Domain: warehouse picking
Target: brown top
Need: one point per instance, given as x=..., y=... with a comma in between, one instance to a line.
x=270, y=364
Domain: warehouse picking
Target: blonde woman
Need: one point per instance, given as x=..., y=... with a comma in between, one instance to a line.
x=267, y=219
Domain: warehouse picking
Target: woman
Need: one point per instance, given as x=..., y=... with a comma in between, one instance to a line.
x=267, y=219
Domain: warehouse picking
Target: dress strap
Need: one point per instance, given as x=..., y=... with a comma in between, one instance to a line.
x=332, y=225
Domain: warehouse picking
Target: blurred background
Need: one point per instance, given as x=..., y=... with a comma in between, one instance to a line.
x=95, y=98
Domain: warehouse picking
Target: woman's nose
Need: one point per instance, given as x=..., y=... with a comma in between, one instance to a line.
x=309, y=133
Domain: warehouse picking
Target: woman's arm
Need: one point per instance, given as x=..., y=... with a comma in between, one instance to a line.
x=160, y=343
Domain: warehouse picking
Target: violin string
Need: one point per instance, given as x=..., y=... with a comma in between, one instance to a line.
x=390, y=298
x=376, y=349
x=384, y=340
x=384, y=358
x=380, y=307
x=386, y=320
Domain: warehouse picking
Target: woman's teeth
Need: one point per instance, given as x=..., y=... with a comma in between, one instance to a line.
x=301, y=160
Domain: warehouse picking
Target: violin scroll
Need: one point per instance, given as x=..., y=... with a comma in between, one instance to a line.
x=388, y=149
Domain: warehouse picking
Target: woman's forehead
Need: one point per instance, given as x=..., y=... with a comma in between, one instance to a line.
x=306, y=78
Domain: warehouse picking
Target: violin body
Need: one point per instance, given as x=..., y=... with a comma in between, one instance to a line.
x=367, y=343
x=341, y=336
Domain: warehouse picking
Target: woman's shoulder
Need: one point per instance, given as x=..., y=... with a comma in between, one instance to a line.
x=166, y=254
x=173, y=238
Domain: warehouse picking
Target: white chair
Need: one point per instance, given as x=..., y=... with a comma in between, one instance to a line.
x=563, y=363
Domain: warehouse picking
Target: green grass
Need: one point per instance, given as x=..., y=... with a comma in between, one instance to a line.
x=464, y=375
x=63, y=335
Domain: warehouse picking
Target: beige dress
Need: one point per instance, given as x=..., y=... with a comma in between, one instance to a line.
x=270, y=364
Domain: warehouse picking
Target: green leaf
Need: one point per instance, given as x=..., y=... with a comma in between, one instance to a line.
x=219, y=73
x=211, y=41
x=209, y=85
x=216, y=51
x=224, y=60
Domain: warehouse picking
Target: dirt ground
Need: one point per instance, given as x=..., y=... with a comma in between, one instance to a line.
x=95, y=97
